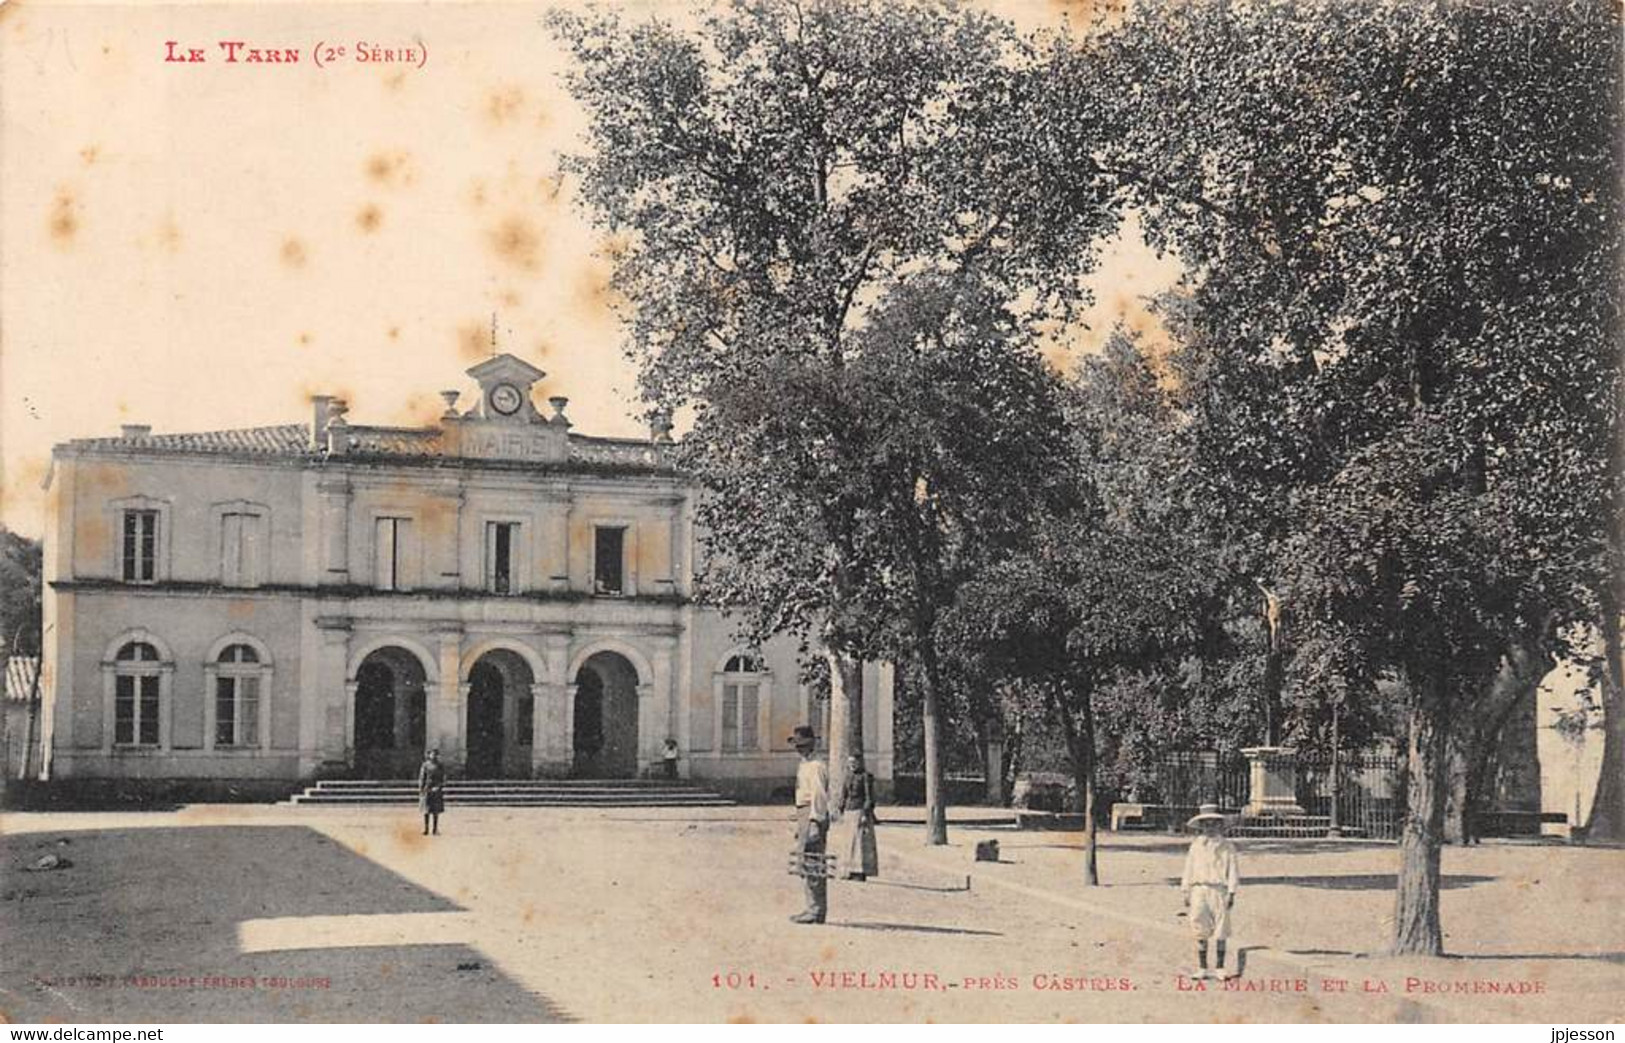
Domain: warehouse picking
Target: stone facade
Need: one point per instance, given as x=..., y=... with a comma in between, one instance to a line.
x=329, y=599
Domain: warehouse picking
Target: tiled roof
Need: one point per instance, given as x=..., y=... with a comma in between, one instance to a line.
x=20, y=671
x=294, y=440
x=281, y=439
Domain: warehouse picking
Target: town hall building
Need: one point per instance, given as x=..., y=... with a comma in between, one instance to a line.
x=330, y=599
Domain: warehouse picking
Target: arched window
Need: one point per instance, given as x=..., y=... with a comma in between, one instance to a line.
x=237, y=698
x=138, y=675
x=743, y=694
x=239, y=682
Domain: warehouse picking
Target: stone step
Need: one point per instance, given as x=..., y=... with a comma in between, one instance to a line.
x=405, y=800
x=478, y=790
x=550, y=784
x=1282, y=826
x=619, y=793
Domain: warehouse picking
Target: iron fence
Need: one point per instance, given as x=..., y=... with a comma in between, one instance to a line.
x=1369, y=788
x=1369, y=793
x=1193, y=777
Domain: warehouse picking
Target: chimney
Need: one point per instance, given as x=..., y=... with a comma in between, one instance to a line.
x=322, y=406
x=135, y=430
x=338, y=429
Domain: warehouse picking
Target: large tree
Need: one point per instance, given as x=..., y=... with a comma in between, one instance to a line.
x=20, y=590
x=784, y=177
x=1402, y=223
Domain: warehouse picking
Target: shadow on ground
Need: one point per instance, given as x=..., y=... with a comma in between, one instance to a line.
x=915, y=928
x=1353, y=881
x=1178, y=846
x=164, y=905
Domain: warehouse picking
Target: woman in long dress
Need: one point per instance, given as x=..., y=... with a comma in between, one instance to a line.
x=862, y=854
x=431, y=791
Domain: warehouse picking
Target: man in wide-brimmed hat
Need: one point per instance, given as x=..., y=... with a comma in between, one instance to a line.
x=812, y=823
x=1212, y=875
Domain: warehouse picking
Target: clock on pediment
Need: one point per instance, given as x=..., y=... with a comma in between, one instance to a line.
x=505, y=383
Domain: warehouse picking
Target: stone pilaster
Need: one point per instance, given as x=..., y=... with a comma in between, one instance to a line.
x=444, y=727
x=552, y=750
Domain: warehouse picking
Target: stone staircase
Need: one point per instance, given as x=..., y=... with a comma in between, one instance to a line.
x=517, y=793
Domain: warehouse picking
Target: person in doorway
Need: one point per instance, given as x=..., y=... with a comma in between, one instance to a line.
x=812, y=825
x=668, y=753
x=861, y=853
x=1211, y=878
x=431, y=791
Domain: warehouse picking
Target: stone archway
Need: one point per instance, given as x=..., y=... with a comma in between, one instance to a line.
x=390, y=714
x=500, y=716
x=605, y=742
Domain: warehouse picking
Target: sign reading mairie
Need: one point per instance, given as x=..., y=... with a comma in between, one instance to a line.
x=505, y=424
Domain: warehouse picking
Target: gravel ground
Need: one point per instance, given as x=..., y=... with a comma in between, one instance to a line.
x=337, y=914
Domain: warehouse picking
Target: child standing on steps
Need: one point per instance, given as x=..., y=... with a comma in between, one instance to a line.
x=1209, y=883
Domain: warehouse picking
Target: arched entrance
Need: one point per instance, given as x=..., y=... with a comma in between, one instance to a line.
x=501, y=716
x=606, y=718
x=389, y=714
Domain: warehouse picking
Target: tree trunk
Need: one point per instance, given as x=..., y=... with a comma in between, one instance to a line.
x=936, y=809
x=845, y=723
x=1091, y=838
x=1474, y=745
x=1012, y=760
x=1457, y=818
x=1080, y=749
x=33, y=718
x=1607, y=818
x=1416, y=906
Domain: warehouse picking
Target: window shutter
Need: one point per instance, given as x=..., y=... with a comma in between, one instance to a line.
x=250, y=566
x=231, y=549
x=730, y=717
x=384, y=554
x=248, y=711
x=748, y=732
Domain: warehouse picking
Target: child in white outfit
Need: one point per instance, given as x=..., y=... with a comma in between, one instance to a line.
x=1209, y=883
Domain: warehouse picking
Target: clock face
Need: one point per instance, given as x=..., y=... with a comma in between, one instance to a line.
x=505, y=399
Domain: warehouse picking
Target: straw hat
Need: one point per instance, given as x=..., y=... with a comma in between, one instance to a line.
x=1206, y=813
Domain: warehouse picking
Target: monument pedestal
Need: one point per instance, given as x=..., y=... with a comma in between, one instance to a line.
x=1272, y=781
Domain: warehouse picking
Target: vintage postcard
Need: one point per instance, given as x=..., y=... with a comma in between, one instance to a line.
x=811, y=510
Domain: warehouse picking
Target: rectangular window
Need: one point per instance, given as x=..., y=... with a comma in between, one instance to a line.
x=237, y=711
x=135, y=710
x=500, y=540
x=608, y=547
x=140, y=546
x=389, y=553
x=241, y=536
x=739, y=707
